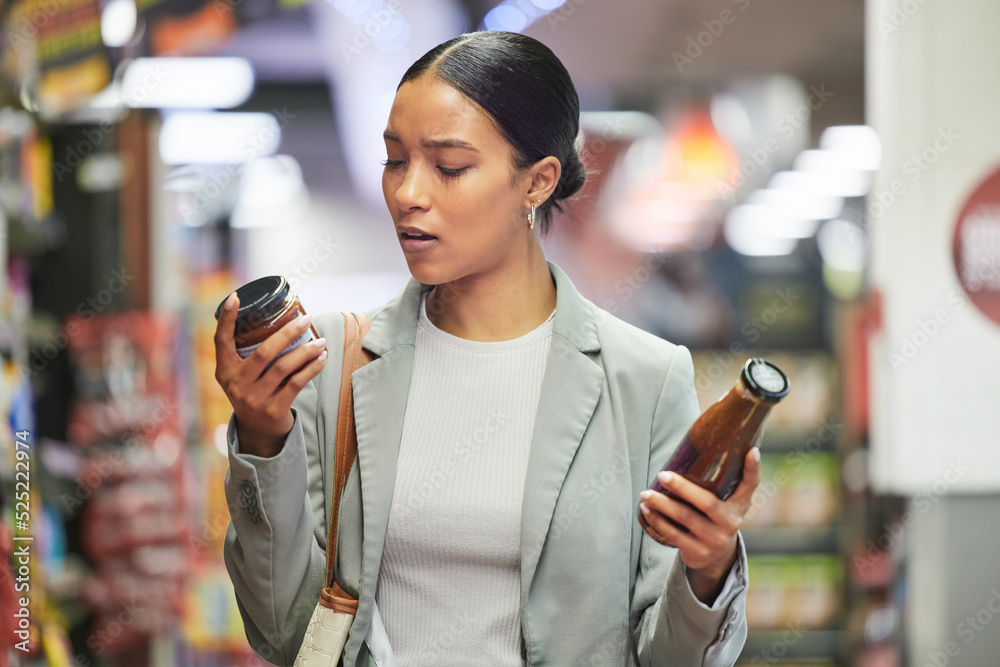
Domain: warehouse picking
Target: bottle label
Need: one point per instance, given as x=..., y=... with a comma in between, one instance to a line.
x=306, y=337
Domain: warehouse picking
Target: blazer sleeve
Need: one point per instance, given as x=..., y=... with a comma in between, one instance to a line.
x=274, y=552
x=675, y=627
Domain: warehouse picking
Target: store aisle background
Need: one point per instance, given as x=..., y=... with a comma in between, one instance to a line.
x=754, y=194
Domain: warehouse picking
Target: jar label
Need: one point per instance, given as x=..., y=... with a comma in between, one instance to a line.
x=306, y=337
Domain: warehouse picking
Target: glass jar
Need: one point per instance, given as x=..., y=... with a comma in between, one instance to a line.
x=266, y=305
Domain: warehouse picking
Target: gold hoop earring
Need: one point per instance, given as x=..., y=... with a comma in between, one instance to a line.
x=531, y=217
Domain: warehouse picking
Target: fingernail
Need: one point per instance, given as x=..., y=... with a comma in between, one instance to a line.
x=756, y=455
x=230, y=301
x=646, y=494
x=644, y=509
x=665, y=477
x=304, y=321
x=320, y=342
x=323, y=355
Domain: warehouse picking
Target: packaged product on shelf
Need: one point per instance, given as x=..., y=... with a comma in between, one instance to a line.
x=767, y=596
x=794, y=591
x=136, y=526
x=765, y=506
x=812, y=497
x=818, y=591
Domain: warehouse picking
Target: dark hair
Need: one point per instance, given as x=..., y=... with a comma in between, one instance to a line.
x=527, y=92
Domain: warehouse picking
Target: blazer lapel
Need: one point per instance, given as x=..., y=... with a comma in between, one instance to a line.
x=380, y=389
x=571, y=387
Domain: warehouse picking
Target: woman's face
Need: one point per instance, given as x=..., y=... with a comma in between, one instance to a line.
x=447, y=183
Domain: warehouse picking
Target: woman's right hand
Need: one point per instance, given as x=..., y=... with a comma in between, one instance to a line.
x=262, y=401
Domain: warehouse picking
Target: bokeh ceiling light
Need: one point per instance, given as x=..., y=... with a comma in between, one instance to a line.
x=696, y=154
x=730, y=116
x=383, y=23
x=271, y=193
x=665, y=185
x=506, y=16
x=205, y=137
x=187, y=83
x=758, y=231
x=828, y=161
x=270, y=181
x=799, y=204
x=516, y=15
x=842, y=245
x=859, y=142
x=824, y=183
x=118, y=22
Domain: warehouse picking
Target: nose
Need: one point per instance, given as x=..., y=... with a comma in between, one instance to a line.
x=413, y=192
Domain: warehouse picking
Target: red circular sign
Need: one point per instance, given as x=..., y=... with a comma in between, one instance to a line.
x=976, y=247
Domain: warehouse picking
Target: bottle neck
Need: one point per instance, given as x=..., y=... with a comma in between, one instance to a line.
x=736, y=418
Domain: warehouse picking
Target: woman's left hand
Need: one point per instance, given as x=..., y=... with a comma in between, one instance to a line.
x=709, y=548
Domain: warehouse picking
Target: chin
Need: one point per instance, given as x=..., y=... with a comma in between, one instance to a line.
x=424, y=272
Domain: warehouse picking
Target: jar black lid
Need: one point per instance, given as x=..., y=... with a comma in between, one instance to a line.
x=259, y=295
x=764, y=380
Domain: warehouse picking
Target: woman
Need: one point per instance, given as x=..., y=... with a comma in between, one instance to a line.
x=507, y=427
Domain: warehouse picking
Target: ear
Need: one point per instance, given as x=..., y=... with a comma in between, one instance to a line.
x=544, y=177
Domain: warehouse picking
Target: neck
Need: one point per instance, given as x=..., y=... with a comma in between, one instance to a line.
x=502, y=305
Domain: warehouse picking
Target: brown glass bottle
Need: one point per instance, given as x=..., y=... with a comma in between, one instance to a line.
x=712, y=452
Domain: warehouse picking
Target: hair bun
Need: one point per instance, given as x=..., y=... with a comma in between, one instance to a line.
x=572, y=178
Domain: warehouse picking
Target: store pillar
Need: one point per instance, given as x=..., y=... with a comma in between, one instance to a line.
x=936, y=356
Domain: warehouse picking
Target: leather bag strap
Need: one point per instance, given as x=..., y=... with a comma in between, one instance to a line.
x=356, y=325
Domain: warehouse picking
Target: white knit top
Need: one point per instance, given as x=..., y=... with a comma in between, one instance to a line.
x=449, y=586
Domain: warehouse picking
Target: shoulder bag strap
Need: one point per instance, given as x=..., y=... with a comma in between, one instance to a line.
x=356, y=325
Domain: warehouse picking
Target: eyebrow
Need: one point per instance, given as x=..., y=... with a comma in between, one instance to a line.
x=434, y=143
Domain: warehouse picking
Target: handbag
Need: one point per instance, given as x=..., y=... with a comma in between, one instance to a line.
x=331, y=620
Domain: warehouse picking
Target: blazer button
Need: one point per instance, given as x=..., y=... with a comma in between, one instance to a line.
x=248, y=498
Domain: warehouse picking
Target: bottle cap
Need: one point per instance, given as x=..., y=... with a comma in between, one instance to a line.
x=258, y=294
x=764, y=380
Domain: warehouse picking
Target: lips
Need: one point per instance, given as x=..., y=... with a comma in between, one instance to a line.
x=419, y=237
x=415, y=233
x=415, y=240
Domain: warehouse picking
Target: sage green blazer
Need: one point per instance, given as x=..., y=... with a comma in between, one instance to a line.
x=595, y=589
